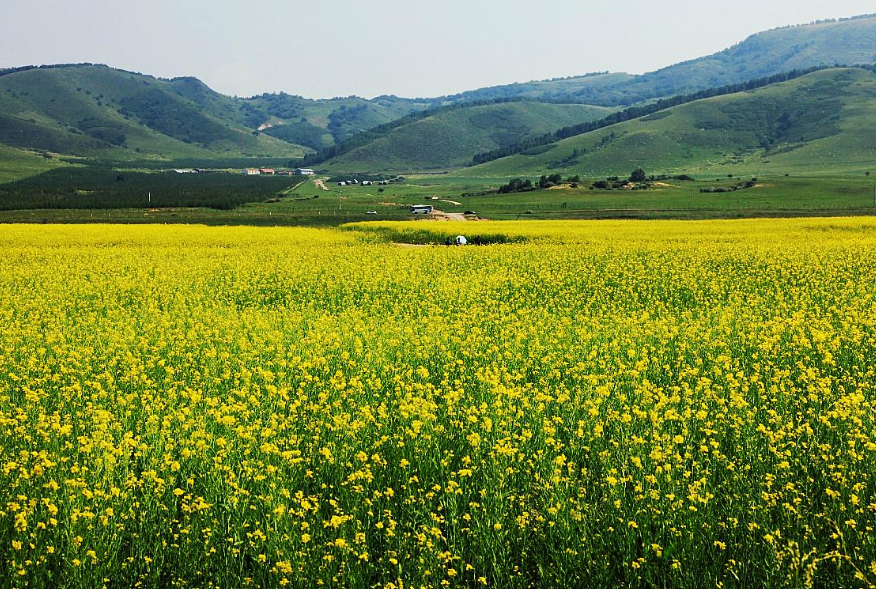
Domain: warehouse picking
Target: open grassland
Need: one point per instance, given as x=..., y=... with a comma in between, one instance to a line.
x=16, y=164
x=643, y=404
x=236, y=200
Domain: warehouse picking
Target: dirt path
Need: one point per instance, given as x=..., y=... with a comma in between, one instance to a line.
x=453, y=202
x=320, y=183
x=442, y=216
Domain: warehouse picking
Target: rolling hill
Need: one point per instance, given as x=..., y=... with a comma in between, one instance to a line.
x=449, y=138
x=846, y=42
x=824, y=121
x=322, y=123
x=100, y=112
x=97, y=113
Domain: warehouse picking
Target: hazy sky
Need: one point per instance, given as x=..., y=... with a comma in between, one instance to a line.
x=327, y=48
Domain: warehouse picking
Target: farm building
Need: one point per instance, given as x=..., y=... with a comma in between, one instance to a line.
x=304, y=172
x=251, y=172
x=267, y=172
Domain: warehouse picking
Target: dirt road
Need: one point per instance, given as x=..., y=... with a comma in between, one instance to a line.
x=320, y=183
x=442, y=216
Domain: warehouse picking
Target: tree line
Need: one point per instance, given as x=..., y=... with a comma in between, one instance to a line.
x=98, y=187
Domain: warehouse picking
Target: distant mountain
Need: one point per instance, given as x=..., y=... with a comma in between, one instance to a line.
x=819, y=122
x=450, y=137
x=844, y=42
x=847, y=42
x=571, y=89
x=321, y=123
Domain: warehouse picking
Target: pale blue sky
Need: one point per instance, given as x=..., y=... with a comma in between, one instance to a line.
x=329, y=48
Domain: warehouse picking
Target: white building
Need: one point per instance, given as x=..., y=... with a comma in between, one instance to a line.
x=304, y=172
x=251, y=172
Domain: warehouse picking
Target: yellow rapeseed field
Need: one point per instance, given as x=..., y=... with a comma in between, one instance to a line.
x=603, y=404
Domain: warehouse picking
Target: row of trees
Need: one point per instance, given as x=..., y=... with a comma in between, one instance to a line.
x=521, y=185
x=93, y=187
x=639, y=178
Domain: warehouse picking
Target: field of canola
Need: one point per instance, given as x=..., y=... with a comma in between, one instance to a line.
x=606, y=404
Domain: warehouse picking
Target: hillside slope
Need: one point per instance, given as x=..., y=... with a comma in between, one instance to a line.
x=846, y=42
x=562, y=89
x=100, y=112
x=849, y=42
x=323, y=123
x=16, y=164
x=450, y=138
x=820, y=122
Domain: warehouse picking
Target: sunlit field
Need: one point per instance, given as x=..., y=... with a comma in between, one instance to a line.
x=590, y=404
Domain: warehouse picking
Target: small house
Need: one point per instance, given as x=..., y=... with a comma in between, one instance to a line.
x=251, y=172
x=267, y=172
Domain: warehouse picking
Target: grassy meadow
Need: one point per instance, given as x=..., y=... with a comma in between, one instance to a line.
x=600, y=404
x=16, y=164
x=223, y=199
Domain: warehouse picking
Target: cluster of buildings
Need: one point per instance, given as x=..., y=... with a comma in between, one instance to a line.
x=363, y=183
x=272, y=172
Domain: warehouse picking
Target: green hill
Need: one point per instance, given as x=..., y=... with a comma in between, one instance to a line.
x=561, y=89
x=449, y=138
x=322, y=123
x=846, y=42
x=825, y=121
x=100, y=112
